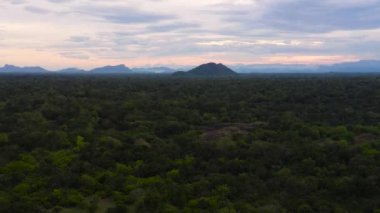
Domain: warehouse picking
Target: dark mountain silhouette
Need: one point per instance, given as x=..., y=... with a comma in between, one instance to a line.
x=364, y=66
x=119, y=69
x=208, y=70
x=14, y=69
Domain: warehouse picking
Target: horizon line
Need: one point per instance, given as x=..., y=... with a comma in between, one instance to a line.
x=173, y=66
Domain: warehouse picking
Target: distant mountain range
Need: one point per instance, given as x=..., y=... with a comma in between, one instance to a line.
x=118, y=69
x=13, y=69
x=275, y=68
x=213, y=69
x=208, y=70
x=368, y=66
x=365, y=66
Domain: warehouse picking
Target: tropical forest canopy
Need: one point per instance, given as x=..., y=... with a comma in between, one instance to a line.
x=261, y=143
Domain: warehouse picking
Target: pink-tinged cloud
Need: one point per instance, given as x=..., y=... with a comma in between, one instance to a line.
x=67, y=33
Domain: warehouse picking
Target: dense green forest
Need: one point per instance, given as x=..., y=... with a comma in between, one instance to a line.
x=279, y=143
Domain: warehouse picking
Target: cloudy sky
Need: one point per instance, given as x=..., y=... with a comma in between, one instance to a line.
x=90, y=33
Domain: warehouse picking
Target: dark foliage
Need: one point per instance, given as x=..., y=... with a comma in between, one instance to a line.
x=159, y=144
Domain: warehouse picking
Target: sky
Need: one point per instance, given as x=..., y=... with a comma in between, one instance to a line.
x=89, y=33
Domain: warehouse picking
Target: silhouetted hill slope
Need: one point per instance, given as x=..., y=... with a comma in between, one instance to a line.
x=208, y=70
x=111, y=69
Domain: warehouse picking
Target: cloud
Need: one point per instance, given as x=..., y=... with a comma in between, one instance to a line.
x=123, y=14
x=256, y=48
x=75, y=55
x=17, y=1
x=235, y=43
x=38, y=10
x=79, y=39
x=60, y=1
x=140, y=31
x=311, y=16
x=177, y=26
